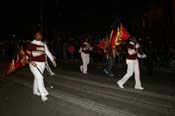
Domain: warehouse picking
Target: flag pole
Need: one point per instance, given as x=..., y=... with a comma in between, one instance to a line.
x=41, y=17
x=49, y=84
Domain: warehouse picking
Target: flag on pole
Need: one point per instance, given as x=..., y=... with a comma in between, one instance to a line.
x=125, y=35
x=17, y=65
x=116, y=35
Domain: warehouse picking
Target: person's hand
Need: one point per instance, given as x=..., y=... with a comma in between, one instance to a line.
x=12, y=68
x=54, y=63
x=137, y=45
x=144, y=56
x=80, y=50
x=33, y=63
x=54, y=57
x=91, y=48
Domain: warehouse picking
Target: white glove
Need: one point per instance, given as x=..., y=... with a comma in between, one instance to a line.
x=80, y=50
x=91, y=48
x=144, y=56
x=54, y=57
x=137, y=46
x=54, y=63
x=33, y=63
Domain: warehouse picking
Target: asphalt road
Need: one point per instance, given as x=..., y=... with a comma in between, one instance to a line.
x=94, y=94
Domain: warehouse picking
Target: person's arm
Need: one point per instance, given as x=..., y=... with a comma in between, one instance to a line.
x=48, y=53
x=91, y=48
x=80, y=50
x=141, y=56
x=131, y=51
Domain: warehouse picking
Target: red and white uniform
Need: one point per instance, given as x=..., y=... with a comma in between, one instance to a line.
x=37, y=51
x=132, y=66
x=85, y=56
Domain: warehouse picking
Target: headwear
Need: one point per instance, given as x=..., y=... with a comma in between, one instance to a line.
x=133, y=39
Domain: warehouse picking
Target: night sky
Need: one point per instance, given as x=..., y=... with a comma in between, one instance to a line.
x=85, y=16
x=18, y=17
x=94, y=16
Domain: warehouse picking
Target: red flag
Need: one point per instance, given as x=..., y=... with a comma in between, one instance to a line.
x=102, y=44
x=125, y=34
x=116, y=38
x=13, y=67
x=113, y=39
x=121, y=36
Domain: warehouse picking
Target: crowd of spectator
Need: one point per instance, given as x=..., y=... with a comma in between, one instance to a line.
x=67, y=47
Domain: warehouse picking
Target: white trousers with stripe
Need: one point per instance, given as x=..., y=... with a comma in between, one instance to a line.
x=85, y=59
x=38, y=84
x=132, y=67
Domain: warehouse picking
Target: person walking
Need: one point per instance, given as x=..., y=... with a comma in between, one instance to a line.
x=110, y=55
x=36, y=52
x=85, y=50
x=132, y=65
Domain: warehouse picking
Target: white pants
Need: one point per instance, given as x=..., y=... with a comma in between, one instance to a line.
x=85, y=59
x=132, y=67
x=38, y=84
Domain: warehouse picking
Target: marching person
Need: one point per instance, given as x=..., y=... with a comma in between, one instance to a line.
x=85, y=50
x=132, y=65
x=110, y=55
x=47, y=64
x=36, y=52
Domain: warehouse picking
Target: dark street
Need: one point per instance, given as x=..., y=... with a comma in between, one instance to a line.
x=94, y=94
x=87, y=58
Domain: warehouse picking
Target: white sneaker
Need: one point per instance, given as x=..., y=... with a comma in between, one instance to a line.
x=46, y=94
x=120, y=85
x=37, y=94
x=139, y=88
x=44, y=98
x=110, y=75
x=85, y=73
x=81, y=68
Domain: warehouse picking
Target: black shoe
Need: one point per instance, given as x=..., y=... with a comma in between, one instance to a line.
x=110, y=75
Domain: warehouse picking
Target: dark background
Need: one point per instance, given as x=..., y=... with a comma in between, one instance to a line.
x=18, y=17
x=85, y=16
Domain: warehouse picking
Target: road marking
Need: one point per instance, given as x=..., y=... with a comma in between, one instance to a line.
x=147, y=102
x=161, y=108
x=169, y=108
x=85, y=103
x=146, y=93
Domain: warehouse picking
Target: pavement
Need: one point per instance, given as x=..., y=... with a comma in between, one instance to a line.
x=94, y=94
